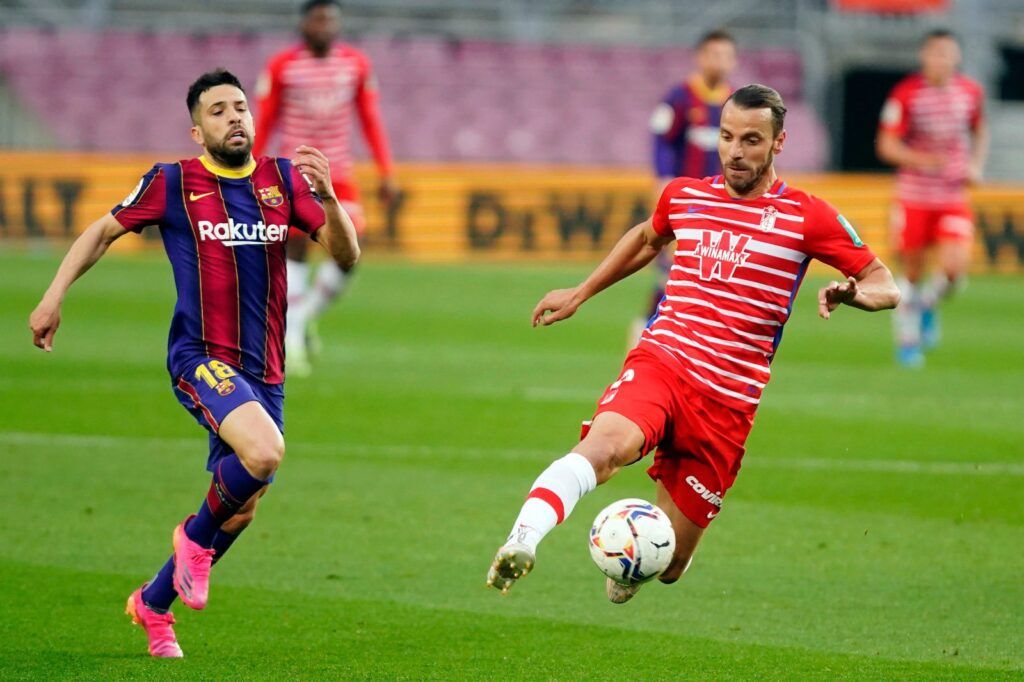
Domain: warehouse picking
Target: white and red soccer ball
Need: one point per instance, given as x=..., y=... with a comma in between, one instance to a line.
x=632, y=541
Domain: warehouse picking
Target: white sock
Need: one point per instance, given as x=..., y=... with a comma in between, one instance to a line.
x=939, y=288
x=552, y=498
x=907, y=320
x=298, y=285
x=328, y=283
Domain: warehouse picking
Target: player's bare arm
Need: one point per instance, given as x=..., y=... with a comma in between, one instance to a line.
x=979, y=152
x=892, y=150
x=871, y=289
x=338, y=235
x=638, y=247
x=83, y=254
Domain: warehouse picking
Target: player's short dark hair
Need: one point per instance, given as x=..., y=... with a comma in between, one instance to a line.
x=310, y=5
x=209, y=80
x=757, y=96
x=715, y=36
x=940, y=33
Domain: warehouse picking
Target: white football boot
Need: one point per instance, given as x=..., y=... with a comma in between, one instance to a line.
x=620, y=594
x=512, y=562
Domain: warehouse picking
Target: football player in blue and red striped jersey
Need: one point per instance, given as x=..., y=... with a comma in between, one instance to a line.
x=224, y=219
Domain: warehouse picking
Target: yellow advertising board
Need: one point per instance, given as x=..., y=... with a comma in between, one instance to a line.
x=462, y=212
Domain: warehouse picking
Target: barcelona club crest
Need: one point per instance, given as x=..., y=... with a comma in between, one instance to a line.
x=271, y=196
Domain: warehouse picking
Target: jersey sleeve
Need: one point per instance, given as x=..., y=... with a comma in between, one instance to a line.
x=894, y=118
x=668, y=122
x=146, y=203
x=369, y=117
x=307, y=208
x=268, y=104
x=830, y=238
x=659, y=221
x=978, y=107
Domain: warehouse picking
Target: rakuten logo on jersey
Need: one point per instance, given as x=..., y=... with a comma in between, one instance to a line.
x=241, y=234
x=724, y=256
x=702, y=490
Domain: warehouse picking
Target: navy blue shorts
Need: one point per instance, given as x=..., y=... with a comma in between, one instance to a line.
x=210, y=389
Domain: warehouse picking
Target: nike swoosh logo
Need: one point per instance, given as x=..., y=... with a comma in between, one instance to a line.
x=192, y=196
x=712, y=515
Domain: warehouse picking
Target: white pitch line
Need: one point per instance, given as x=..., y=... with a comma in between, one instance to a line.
x=961, y=468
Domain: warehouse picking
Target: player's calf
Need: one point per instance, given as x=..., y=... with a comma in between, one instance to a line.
x=611, y=443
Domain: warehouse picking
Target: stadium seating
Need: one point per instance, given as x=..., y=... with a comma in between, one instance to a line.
x=468, y=100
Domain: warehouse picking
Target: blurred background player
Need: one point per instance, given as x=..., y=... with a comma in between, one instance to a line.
x=308, y=93
x=933, y=130
x=685, y=130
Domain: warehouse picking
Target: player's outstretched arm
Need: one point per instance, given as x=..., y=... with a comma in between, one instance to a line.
x=338, y=234
x=633, y=251
x=873, y=288
x=83, y=254
x=895, y=152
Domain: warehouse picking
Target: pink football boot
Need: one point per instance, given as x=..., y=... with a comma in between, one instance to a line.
x=191, y=569
x=162, y=642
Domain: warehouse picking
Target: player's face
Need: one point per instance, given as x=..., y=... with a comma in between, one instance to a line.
x=716, y=60
x=321, y=27
x=747, y=146
x=940, y=58
x=224, y=127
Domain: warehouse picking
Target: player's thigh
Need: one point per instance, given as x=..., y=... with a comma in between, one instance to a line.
x=688, y=535
x=631, y=418
x=251, y=432
x=913, y=233
x=955, y=240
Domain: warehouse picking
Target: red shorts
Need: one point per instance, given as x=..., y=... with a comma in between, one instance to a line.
x=348, y=197
x=916, y=227
x=699, y=441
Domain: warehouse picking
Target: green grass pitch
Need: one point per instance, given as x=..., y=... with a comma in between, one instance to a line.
x=876, y=530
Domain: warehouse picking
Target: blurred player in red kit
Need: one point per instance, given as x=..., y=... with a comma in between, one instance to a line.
x=309, y=93
x=933, y=129
x=684, y=127
x=690, y=388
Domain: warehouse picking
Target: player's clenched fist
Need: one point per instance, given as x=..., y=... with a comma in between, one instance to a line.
x=43, y=322
x=834, y=295
x=555, y=306
x=312, y=163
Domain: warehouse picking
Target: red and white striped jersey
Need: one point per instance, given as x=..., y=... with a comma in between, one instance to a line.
x=312, y=100
x=738, y=265
x=938, y=119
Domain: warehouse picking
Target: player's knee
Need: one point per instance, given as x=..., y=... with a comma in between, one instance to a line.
x=263, y=457
x=609, y=451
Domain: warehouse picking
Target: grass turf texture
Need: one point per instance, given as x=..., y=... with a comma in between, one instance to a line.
x=875, y=530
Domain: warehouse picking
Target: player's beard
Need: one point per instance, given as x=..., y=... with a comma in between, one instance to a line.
x=755, y=177
x=227, y=156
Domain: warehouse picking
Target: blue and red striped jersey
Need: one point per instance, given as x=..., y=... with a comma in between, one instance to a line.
x=685, y=127
x=225, y=233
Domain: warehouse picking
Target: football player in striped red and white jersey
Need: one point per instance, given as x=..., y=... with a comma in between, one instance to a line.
x=310, y=94
x=933, y=129
x=690, y=388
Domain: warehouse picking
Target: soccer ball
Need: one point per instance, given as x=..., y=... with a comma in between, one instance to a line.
x=632, y=541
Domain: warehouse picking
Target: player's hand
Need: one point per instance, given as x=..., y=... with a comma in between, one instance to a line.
x=834, y=295
x=557, y=305
x=43, y=322
x=931, y=162
x=974, y=173
x=312, y=163
x=388, y=191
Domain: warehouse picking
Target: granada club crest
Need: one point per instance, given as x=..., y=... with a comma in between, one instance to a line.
x=721, y=258
x=768, y=218
x=271, y=196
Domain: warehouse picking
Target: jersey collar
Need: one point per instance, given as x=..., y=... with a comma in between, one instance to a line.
x=243, y=172
x=714, y=96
